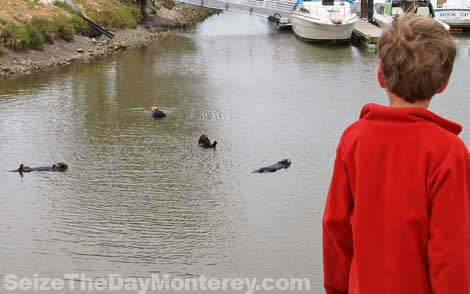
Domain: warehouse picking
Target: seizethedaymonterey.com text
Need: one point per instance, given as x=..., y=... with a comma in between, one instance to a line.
x=79, y=282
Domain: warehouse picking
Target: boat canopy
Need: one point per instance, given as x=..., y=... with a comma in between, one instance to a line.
x=401, y=3
x=457, y=4
x=407, y=5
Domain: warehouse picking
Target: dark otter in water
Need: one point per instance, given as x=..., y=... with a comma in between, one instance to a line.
x=57, y=167
x=272, y=168
x=205, y=142
x=157, y=113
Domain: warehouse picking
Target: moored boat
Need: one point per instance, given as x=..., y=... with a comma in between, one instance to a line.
x=386, y=11
x=326, y=20
x=455, y=13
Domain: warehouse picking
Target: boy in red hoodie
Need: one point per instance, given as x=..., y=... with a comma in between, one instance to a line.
x=397, y=217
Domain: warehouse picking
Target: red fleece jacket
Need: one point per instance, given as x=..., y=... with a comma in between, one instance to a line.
x=397, y=217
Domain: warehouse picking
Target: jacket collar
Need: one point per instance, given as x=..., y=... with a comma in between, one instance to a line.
x=374, y=111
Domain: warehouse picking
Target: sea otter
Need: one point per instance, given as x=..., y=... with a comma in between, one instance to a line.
x=272, y=168
x=57, y=167
x=205, y=142
x=156, y=113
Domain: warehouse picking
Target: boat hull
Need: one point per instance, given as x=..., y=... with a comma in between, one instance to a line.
x=384, y=21
x=459, y=18
x=309, y=29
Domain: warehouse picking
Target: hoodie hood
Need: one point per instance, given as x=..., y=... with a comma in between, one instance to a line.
x=374, y=111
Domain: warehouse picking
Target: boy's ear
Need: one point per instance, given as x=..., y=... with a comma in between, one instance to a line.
x=380, y=76
x=443, y=87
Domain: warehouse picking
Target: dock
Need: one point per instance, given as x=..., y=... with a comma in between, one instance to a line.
x=367, y=33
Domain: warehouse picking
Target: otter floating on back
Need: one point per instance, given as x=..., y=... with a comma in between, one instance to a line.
x=57, y=167
x=272, y=168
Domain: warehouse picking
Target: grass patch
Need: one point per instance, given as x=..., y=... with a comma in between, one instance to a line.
x=41, y=30
x=48, y=24
x=117, y=18
x=80, y=26
x=31, y=3
x=64, y=6
x=48, y=29
x=155, y=8
x=17, y=37
x=35, y=38
x=65, y=29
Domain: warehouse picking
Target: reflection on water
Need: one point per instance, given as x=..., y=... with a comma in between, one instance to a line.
x=141, y=197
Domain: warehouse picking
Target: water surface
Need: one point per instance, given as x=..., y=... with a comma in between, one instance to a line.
x=141, y=197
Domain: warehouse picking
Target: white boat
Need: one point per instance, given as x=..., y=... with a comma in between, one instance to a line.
x=323, y=20
x=455, y=13
x=385, y=12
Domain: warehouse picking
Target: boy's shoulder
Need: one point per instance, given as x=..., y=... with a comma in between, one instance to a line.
x=414, y=119
x=430, y=133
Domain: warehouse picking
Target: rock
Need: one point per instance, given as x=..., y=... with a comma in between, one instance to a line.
x=93, y=40
x=80, y=50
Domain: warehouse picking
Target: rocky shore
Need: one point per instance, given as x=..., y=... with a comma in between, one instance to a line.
x=85, y=49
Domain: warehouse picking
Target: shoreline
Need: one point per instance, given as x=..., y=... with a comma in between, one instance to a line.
x=86, y=50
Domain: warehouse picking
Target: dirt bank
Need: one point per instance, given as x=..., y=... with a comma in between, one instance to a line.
x=86, y=49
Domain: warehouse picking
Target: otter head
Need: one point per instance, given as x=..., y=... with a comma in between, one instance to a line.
x=60, y=166
x=285, y=162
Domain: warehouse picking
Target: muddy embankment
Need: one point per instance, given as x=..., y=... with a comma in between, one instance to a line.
x=83, y=49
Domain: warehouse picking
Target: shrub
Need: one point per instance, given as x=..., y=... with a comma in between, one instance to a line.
x=61, y=27
x=63, y=5
x=16, y=37
x=48, y=29
x=155, y=9
x=22, y=38
x=35, y=38
x=127, y=17
x=65, y=29
x=122, y=17
x=79, y=25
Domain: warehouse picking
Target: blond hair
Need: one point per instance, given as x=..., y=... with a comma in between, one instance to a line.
x=416, y=56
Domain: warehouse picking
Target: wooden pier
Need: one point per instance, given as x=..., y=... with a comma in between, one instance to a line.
x=367, y=34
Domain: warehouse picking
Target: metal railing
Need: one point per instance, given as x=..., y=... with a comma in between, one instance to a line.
x=281, y=8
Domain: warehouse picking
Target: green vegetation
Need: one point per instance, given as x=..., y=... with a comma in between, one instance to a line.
x=31, y=3
x=48, y=29
x=35, y=39
x=122, y=17
x=64, y=6
x=155, y=8
x=40, y=30
x=19, y=38
x=64, y=25
x=65, y=29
